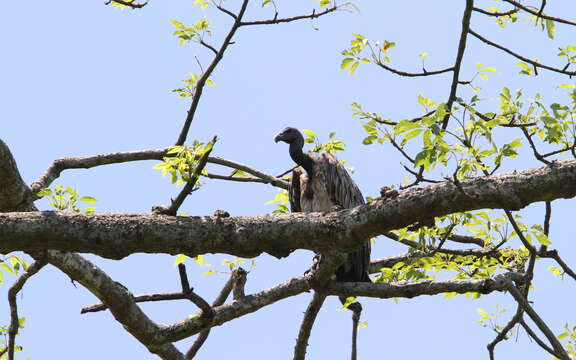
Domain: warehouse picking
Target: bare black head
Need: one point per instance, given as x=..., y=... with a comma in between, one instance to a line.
x=290, y=135
x=293, y=137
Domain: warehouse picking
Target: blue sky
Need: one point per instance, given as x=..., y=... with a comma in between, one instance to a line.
x=82, y=78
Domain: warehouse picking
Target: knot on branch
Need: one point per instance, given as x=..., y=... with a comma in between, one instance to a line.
x=238, y=283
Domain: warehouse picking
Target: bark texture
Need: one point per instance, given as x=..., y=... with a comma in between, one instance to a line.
x=119, y=235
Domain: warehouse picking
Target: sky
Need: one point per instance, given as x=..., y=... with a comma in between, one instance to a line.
x=82, y=78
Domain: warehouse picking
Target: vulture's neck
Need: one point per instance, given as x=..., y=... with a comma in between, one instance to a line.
x=300, y=157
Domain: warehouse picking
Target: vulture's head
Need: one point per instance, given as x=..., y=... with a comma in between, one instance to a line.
x=289, y=135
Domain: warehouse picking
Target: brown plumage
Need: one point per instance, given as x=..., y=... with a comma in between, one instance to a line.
x=323, y=185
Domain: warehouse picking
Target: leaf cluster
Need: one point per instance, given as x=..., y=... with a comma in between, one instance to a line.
x=182, y=162
x=66, y=199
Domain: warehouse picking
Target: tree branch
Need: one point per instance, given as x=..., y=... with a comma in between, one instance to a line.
x=130, y=4
x=277, y=20
x=497, y=14
x=220, y=299
x=295, y=286
x=118, y=299
x=521, y=300
x=87, y=162
x=12, y=292
x=536, y=338
x=408, y=74
x=540, y=13
x=249, y=236
x=525, y=59
x=202, y=81
x=459, y=55
x=306, y=327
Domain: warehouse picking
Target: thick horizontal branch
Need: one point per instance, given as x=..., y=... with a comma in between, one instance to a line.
x=426, y=287
x=295, y=286
x=119, y=235
x=242, y=306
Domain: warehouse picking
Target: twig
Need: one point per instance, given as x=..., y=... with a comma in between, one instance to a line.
x=525, y=59
x=408, y=74
x=236, y=178
x=276, y=20
x=497, y=14
x=537, y=155
x=287, y=172
x=504, y=332
x=208, y=46
x=225, y=11
x=399, y=148
x=540, y=13
x=536, y=338
x=191, y=295
x=306, y=327
x=486, y=118
x=444, y=237
x=521, y=300
x=12, y=292
x=553, y=254
x=220, y=299
x=542, y=7
x=137, y=299
x=519, y=232
x=130, y=4
x=459, y=55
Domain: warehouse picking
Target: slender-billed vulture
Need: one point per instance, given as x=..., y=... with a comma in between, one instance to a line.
x=323, y=185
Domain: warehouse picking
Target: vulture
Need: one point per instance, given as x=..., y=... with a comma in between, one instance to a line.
x=323, y=186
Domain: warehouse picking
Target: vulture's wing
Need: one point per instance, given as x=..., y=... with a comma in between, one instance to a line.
x=294, y=191
x=344, y=192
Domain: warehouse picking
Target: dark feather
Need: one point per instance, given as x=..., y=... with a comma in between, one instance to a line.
x=332, y=186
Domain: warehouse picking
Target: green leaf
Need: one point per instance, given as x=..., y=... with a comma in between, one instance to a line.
x=346, y=63
x=309, y=132
x=44, y=192
x=542, y=238
x=88, y=199
x=423, y=56
x=411, y=134
x=349, y=300
x=550, y=28
x=210, y=272
x=353, y=67
x=180, y=259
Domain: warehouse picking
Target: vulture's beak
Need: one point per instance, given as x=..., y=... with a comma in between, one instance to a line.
x=278, y=137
